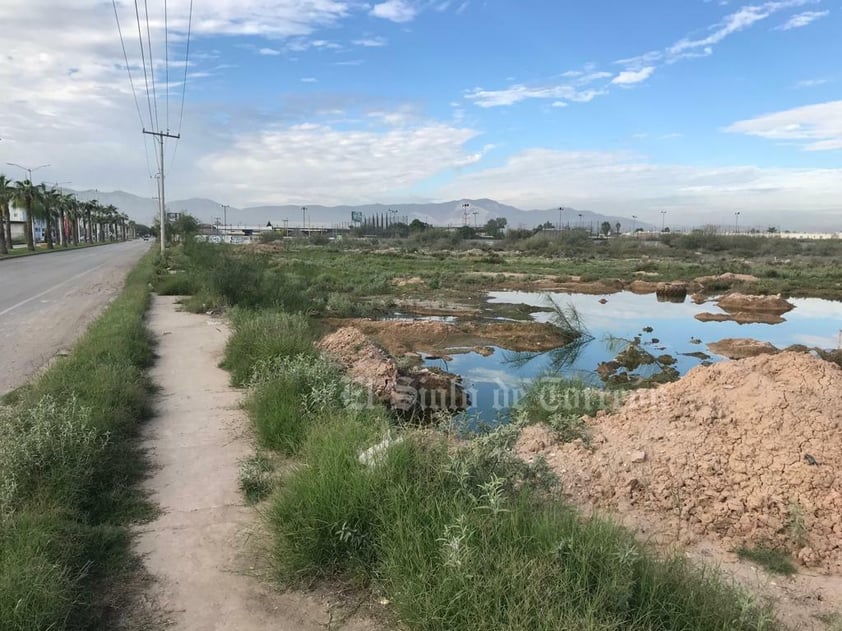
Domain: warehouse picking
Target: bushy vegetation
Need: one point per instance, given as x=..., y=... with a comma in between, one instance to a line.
x=458, y=541
x=68, y=472
x=774, y=560
x=261, y=336
x=456, y=535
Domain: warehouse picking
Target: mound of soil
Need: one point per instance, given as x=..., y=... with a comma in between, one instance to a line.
x=364, y=362
x=743, y=302
x=741, y=317
x=399, y=337
x=746, y=452
x=741, y=348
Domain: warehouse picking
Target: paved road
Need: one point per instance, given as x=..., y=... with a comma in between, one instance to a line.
x=47, y=302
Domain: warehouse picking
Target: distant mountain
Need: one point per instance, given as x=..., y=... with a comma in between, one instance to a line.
x=479, y=211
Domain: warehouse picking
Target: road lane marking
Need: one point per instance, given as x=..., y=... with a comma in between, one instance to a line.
x=46, y=291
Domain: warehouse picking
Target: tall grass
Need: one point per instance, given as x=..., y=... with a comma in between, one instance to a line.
x=68, y=472
x=264, y=335
x=288, y=395
x=458, y=545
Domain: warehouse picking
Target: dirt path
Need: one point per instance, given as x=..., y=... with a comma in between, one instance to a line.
x=205, y=550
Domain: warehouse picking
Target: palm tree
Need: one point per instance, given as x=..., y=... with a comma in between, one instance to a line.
x=87, y=216
x=24, y=196
x=6, y=192
x=48, y=201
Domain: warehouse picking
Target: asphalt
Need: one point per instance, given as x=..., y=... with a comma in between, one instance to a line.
x=47, y=301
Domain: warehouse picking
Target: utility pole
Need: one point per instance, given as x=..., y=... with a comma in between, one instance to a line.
x=162, y=211
x=560, y=210
x=663, y=219
x=225, y=208
x=303, y=220
x=737, y=222
x=465, y=210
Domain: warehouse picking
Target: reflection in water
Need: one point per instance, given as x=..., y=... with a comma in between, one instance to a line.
x=496, y=381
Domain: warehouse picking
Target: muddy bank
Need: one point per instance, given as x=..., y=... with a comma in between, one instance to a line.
x=737, y=302
x=741, y=317
x=745, y=452
x=399, y=337
x=416, y=393
x=741, y=348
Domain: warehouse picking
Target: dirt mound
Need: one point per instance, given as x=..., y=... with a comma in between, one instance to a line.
x=741, y=317
x=728, y=278
x=744, y=302
x=745, y=451
x=399, y=337
x=740, y=348
x=363, y=360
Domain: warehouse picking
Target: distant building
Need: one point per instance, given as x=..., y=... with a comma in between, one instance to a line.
x=18, y=220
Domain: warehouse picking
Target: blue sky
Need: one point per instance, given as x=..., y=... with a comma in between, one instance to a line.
x=606, y=105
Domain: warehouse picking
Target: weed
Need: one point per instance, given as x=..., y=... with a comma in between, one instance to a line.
x=772, y=559
x=256, y=478
x=264, y=335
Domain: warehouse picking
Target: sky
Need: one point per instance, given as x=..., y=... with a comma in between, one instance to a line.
x=698, y=107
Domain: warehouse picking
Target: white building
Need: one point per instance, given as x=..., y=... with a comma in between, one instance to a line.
x=18, y=217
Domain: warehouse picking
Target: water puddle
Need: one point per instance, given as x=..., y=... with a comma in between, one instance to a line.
x=496, y=380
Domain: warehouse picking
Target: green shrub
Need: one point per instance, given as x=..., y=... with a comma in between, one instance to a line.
x=288, y=395
x=256, y=478
x=324, y=514
x=774, y=560
x=264, y=335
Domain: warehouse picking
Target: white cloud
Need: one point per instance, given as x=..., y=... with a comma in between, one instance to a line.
x=631, y=77
x=517, y=93
x=295, y=162
x=802, y=20
x=811, y=83
x=309, y=80
x=816, y=127
x=395, y=10
x=543, y=178
x=370, y=42
x=268, y=51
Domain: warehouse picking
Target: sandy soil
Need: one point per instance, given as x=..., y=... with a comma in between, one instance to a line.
x=207, y=552
x=739, y=453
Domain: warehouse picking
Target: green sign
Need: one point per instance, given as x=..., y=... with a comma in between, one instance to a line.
x=356, y=216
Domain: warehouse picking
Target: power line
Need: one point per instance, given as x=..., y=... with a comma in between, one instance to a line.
x=128, y=68
x=186, y=64
x=167, y=62
x=143, y=61
x=184, y=83
x=151, y=62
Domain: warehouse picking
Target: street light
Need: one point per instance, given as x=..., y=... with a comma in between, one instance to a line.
x=581, y=221
x=737, y=222
x=663, y=219
x=634, y=225
x=560, y=210
x=303, y=219
x=465, y=208
x=27, y=169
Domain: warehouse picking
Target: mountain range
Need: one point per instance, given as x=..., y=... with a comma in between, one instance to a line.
x=478, y=211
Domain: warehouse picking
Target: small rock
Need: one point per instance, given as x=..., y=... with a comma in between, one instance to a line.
x=638, y=457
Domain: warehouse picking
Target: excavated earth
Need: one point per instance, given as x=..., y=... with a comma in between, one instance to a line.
x=742, y=453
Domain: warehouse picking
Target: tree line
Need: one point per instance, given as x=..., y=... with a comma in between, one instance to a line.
x=66, y=219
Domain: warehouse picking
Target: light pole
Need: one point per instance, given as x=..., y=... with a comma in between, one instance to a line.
x=28, y=170
x=634, y=225
x=303, y=219
x=560, y=210
x=663, y=219
x=225, y=208
x=581, y=221
x=737, y=222
x=465, y=211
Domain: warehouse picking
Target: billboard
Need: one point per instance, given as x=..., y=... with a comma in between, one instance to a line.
x=356, y=216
